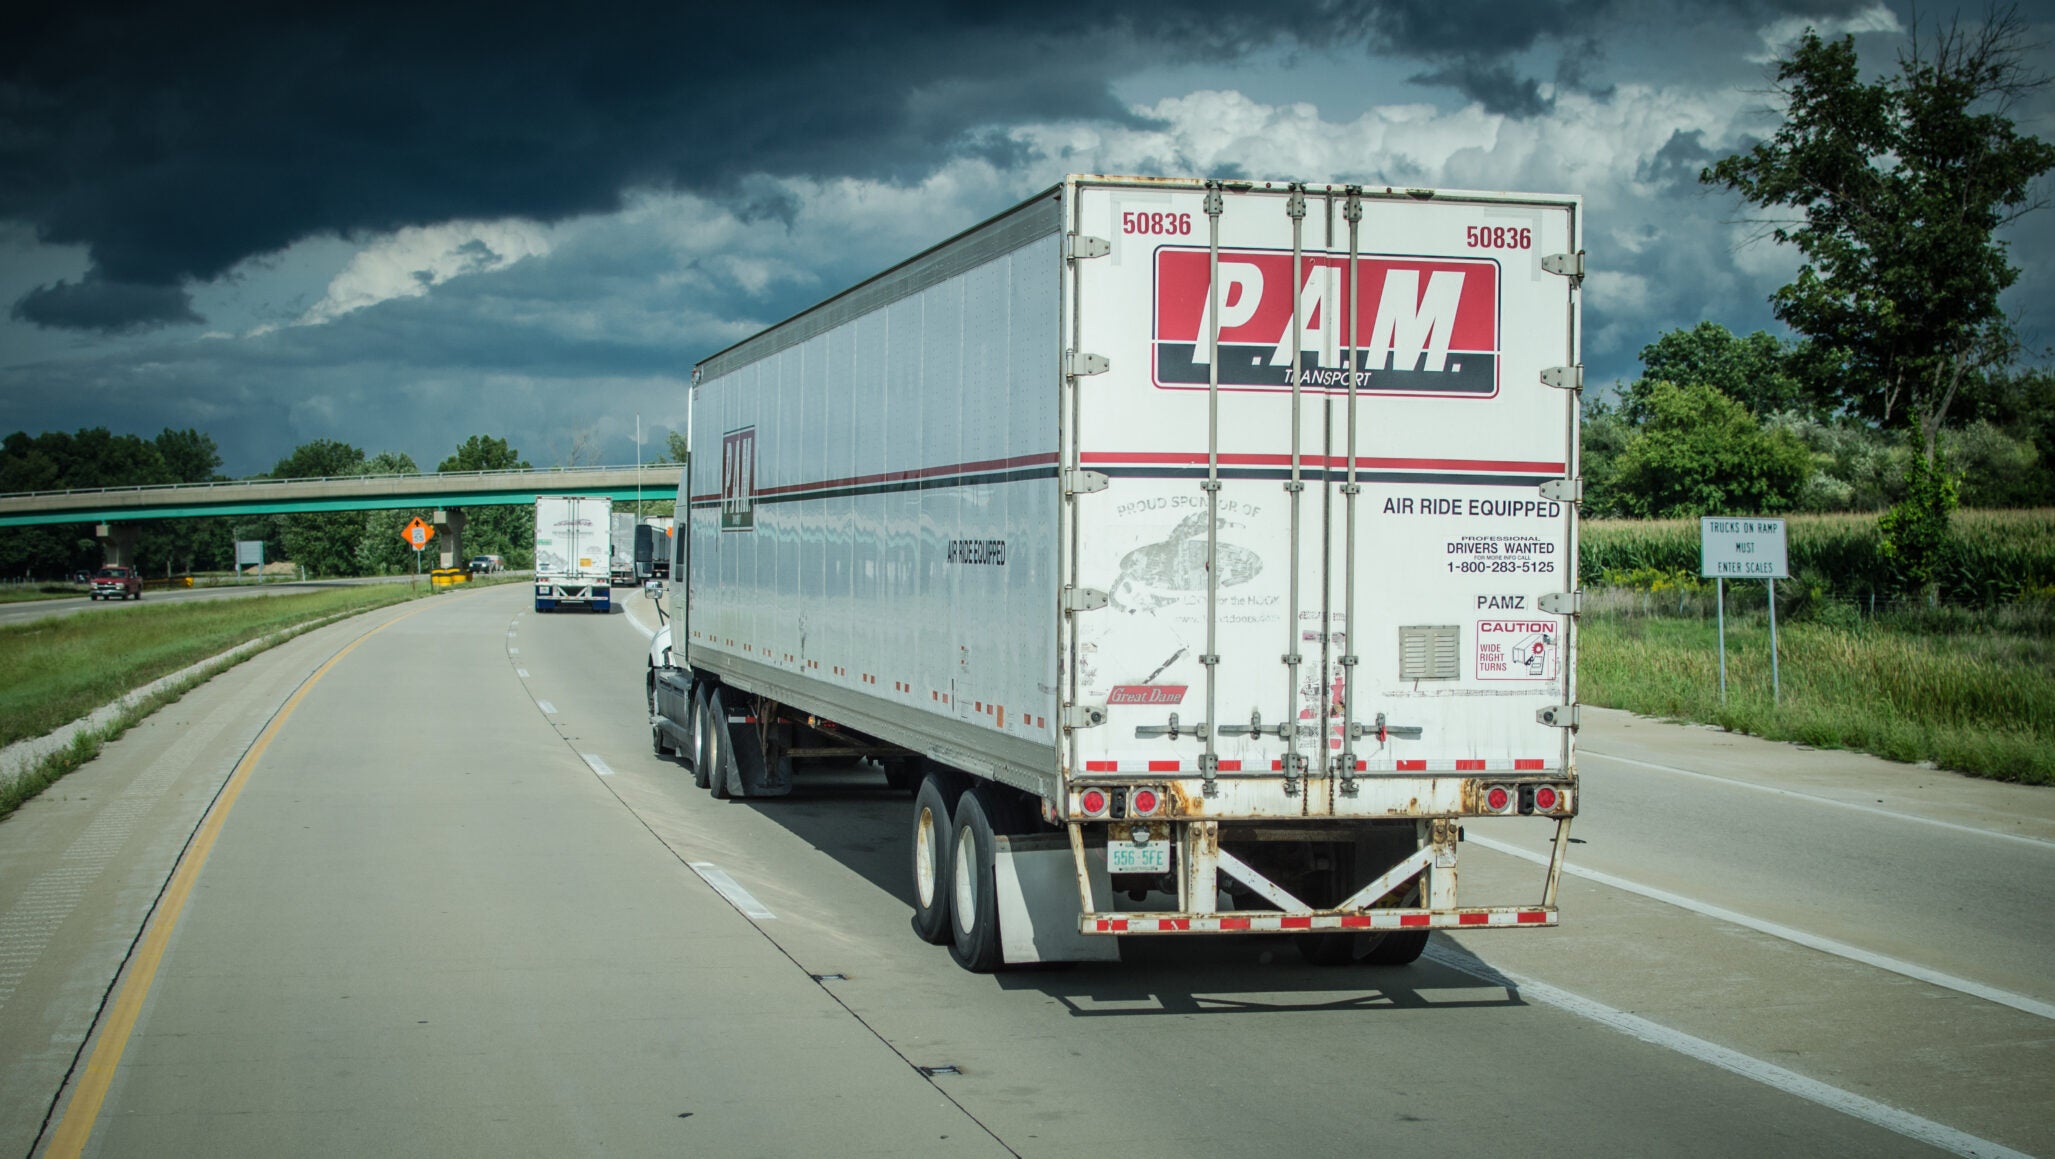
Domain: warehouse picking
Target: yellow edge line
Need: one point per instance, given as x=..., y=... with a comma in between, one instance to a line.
x=80, y=1115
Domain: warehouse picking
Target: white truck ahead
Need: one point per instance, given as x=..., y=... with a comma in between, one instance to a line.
x=572, y=548
x=621, y=560
x=1202, y=554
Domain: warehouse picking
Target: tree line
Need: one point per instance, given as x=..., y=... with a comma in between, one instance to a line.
x=341, y=543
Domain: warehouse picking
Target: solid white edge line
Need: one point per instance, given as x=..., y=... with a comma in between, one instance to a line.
x=2018, y=1002
x=522, y=672
x=593, y=761
x=648, y=633
x=547, y=708
x=1891, y=813
x=1769, y=1074
x=731, y=889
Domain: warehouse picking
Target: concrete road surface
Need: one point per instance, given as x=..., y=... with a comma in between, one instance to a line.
x=455, y=906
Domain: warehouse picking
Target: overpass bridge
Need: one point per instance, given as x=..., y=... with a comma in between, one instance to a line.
x=115, y=511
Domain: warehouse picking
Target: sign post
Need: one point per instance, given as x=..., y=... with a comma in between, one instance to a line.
x=417, y=534
x=1745, y=548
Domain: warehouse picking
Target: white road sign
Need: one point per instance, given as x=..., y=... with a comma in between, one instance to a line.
x=1742, y=548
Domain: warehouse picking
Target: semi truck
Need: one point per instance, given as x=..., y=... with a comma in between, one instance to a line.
x=653, y=548
x=621, y=562
x=1202, y=555
x=573, y=546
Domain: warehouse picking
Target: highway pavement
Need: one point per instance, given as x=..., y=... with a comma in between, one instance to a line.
x=446, y=901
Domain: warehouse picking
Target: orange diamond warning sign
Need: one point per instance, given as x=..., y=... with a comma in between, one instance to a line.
x=417, y=534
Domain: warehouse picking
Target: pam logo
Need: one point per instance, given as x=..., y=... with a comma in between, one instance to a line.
x=738, y=480
x=1423, y=326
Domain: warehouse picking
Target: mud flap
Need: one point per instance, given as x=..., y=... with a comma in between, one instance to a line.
x=1035, y=878
x=748, y=774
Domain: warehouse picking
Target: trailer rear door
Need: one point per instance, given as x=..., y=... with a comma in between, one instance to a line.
x=1334, y=527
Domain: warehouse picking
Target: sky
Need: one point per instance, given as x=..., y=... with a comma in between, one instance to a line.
x=399, y=226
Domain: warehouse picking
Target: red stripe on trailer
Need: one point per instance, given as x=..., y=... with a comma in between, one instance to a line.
x=1198, y=459
x=1412, y=766
x=1229, y=766
x=1474, y=919
x=1408, y=920
x=1291, y=923
x=1528, y=764
x=1118, y=925
x=1355, y=921
x=1101, y=766
x=1275, y=766
x=1234, y=923
x=1467, y=766
x=1182, y=924
x=1164, y=766
x=1529, y=917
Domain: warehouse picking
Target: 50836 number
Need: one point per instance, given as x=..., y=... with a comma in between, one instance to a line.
x=1498, y=237
x=1171, y=224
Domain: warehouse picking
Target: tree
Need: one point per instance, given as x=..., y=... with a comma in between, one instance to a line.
x=1757, y=370
x=1901, y=186
x=1702, y=453
x=485, y=453
x=508, y=532
x=325, y=543
x=188, y=455
x=320, y=459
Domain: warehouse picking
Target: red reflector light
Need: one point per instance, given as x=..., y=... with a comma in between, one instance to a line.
x=1093, y=801
x=1545, y=799
x=1497, y=798
x=1142, y=802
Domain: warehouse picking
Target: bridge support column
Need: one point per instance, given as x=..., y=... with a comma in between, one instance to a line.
x=449, y=532
x=118, y=543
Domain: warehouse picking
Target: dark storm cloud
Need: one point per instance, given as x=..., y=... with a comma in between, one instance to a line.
x=175, y=140
x=95, y=303
x=1677, y=164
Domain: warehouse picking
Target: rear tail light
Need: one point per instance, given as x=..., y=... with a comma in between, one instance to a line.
x=1499, y=799
x=1546, y=799
x=1143, y=802
x=1093, y=802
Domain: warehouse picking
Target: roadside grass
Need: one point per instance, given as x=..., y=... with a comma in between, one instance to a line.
x=1971, y=691
x=24, y=593
x=55, y=670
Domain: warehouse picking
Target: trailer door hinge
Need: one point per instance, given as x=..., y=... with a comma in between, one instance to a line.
x=1564, y=490
x=1564, y=377
x=1084, y=716
x=1558, y=716
x=1561, y=603
x=1078, y=481
x=1078, y=364
x=1568, y=265
x=1083, y=599
x=1084, y=245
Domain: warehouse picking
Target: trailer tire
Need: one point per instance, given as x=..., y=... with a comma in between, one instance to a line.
x=1399, y=948
x=973, y=898
x=720, y=745
x=702, y=759
x=1327, y=949
x=933, y=827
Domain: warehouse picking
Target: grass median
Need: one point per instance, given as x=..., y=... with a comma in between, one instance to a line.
x=1972, y=691
x=55, y=670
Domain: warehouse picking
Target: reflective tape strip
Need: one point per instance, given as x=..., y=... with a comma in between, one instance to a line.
x=1298, y=923
x=1413, y=765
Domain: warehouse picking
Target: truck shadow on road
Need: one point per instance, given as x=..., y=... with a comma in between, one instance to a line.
x=854, y=819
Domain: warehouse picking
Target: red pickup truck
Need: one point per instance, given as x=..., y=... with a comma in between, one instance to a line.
x=111, y=583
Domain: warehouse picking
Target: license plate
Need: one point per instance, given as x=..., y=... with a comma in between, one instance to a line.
x=1125, y=855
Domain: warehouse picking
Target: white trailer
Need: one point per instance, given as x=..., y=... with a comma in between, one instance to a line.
x=621, y=562
x=573, y=540
x=1202, y=553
